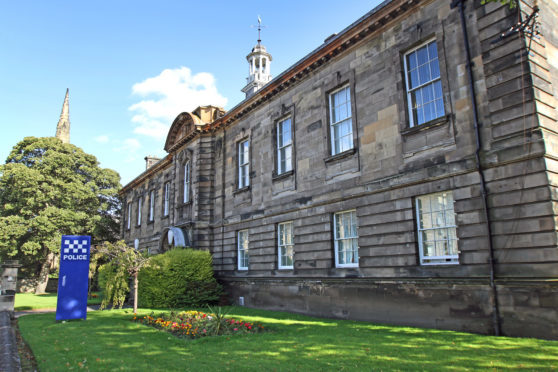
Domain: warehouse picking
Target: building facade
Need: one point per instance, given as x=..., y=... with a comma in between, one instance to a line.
x=402, y=172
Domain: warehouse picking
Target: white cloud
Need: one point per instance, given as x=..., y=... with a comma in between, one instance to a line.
x=130, y=148
x=171, y=92
x=131, y=144
x=102, y=139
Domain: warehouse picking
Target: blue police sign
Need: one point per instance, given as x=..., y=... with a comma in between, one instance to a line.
x=73, y=278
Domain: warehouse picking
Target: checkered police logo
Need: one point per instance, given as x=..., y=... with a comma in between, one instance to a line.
x=74, y=249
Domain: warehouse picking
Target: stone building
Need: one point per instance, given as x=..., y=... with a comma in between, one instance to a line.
x=402, y=172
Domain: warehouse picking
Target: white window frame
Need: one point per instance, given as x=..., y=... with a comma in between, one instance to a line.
x=151, y=216
x=129, y=220
x=140, y=200
x=347, y=237
x=242, y=244
x=186, y=198
x=447, y=215
x=333, y=124
x=284, y=148
x=285, y=243
x=431, y=82
x=166, y=199
x=244, y=163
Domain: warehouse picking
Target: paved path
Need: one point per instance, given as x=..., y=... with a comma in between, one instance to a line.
x=9, y=357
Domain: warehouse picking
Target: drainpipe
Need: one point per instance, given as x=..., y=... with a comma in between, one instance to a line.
x=492, y=263
x=223, y=166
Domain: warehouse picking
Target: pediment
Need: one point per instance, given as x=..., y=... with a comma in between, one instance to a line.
x=182, y=127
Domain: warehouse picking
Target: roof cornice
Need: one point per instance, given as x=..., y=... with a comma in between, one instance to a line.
x=161, y=164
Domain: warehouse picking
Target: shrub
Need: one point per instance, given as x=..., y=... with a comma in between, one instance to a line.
x=178, y=278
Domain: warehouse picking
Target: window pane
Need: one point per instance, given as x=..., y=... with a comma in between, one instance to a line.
x=424, y=74
x=341, y=112
x=346, y=127
x=355, y=250
x=338, y=227
x=412, y=60
x=341, y=254
x=432, y=50
x=345, y=144
x=288, y=157
x=428, y=235
x=428, y=249
x=425, y=220
x=417, y=98
x=349, y=255
x=279, y=138
x=289, y=233
x=438, y=219
x=452, y=247
x=452, y=234
x=438, y=89
x=289, y=257
x=441, y=234
x=437, y=203
x=353, y=224
x=241, y=156
x=286, y=136
x=414, y=78
x=419, y=115
x=346, y=225
x=336, y=132
x=439, y=108
x=441, y=248
x=428, y=110
x=434, y=69
x=427, y=94
x=449, y=218
x=422, y=55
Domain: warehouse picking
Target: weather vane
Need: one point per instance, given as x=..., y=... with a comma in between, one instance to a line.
x=259, y=26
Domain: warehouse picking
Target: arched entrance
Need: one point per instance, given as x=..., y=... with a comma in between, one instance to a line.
x=173, y=237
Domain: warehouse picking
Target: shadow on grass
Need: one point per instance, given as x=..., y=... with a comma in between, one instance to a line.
x=109, y=340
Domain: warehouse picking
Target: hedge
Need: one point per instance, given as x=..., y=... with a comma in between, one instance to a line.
x=177, y=278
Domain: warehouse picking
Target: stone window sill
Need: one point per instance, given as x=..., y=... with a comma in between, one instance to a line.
x=277, y=177
x=240, y=191
x=341, y=155
x=428, y=125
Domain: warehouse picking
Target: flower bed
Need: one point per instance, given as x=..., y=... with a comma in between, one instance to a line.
x=196, y=324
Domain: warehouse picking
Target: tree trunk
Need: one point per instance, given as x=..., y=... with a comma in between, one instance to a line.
x=135, y=292
x=43, y=276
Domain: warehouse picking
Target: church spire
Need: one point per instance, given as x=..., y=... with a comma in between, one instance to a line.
x=259, y=60
x=63, y=127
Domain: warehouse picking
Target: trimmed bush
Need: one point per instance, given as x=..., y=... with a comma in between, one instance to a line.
x=178, y=278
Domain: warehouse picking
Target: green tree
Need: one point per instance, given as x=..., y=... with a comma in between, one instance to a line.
x=49, y=189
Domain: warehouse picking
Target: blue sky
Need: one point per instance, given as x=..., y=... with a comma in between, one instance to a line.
x=132, y=66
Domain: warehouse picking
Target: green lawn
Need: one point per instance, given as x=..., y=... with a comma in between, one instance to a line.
x=108, y=340
x=30, y=301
